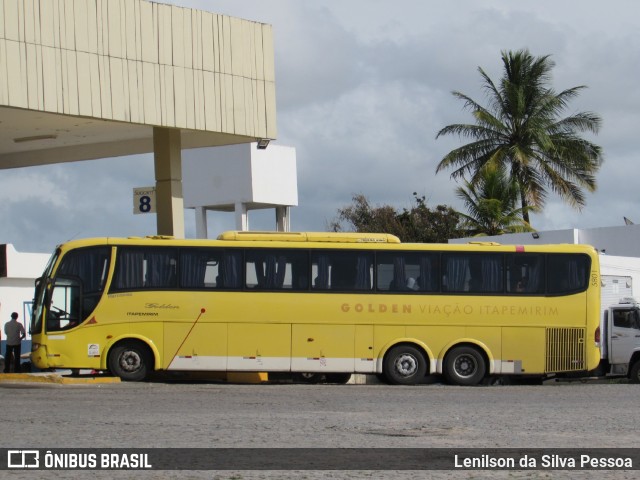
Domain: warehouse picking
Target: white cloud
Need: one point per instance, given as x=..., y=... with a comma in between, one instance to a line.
x=30, y=185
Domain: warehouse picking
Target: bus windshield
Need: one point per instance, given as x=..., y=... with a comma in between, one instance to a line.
x=67, y=298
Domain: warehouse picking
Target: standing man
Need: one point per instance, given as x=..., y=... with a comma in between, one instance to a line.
x=14, y=332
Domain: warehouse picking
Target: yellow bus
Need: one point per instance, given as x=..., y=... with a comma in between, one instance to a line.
x=318, y=303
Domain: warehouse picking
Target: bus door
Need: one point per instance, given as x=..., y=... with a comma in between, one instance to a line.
x=63, y=314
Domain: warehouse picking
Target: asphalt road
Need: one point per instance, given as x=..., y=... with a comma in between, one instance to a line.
x=577, y=415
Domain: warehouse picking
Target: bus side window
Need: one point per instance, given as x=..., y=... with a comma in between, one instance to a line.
x=567, y=273
x=277, y=270
x=140, y=268
x=473, y=272
x=300, y=274
x=161, y=266
x=90, y=267
x=210, y=268
x=355, y=272
x=342, y=271
x=406, y=272
x=343, y=274
x=320, y=268
x=230, y=270
x=384, y=272
x=525, y=273
x=429, y=277
x=198, y=268
x=456, y=274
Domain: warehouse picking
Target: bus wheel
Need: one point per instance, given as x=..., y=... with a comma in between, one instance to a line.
x=404, y=365
x=464, y=366
x=634, y=373
x=130, y=361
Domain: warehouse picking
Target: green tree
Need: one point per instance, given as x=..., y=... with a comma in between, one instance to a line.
x=492, y=205
x=418, y=224
x=360, y=216
x=522, y=128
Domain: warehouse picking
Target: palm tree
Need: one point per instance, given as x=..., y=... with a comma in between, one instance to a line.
x=492, y=205
x=522, y=130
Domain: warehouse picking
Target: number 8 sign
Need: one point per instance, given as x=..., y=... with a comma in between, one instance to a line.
x=144, y=200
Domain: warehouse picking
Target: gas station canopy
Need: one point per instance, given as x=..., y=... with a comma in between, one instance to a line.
x=90, y=79
x=29, y=137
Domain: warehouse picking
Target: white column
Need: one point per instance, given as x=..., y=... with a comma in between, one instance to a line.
x=201, y=222
x=283, y=221
x=242, y=220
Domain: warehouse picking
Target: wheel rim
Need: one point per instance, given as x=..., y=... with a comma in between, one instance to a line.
x=406, y=365
x=465, y=365
x=130, y=361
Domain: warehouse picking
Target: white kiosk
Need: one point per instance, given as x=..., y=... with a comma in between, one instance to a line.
x=239, y=178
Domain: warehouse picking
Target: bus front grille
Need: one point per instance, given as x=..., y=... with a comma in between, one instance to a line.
x=565, y=350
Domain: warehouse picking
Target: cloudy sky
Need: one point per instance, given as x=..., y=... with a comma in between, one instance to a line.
x=363, y=86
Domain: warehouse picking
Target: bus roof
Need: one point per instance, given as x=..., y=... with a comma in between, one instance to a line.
x=331, y=237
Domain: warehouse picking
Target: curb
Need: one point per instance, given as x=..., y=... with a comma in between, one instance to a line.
x=54, y=378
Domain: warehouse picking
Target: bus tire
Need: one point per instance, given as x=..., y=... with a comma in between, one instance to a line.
x=634, y=372
x=131, y=361
x=464, y=365
x=404, y=365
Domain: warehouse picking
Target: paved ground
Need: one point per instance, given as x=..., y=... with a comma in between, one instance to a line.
x=223, y=415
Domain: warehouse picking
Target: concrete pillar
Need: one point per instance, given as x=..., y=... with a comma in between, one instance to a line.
x=242, y=220
x=201, y=222
x=168, y=168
